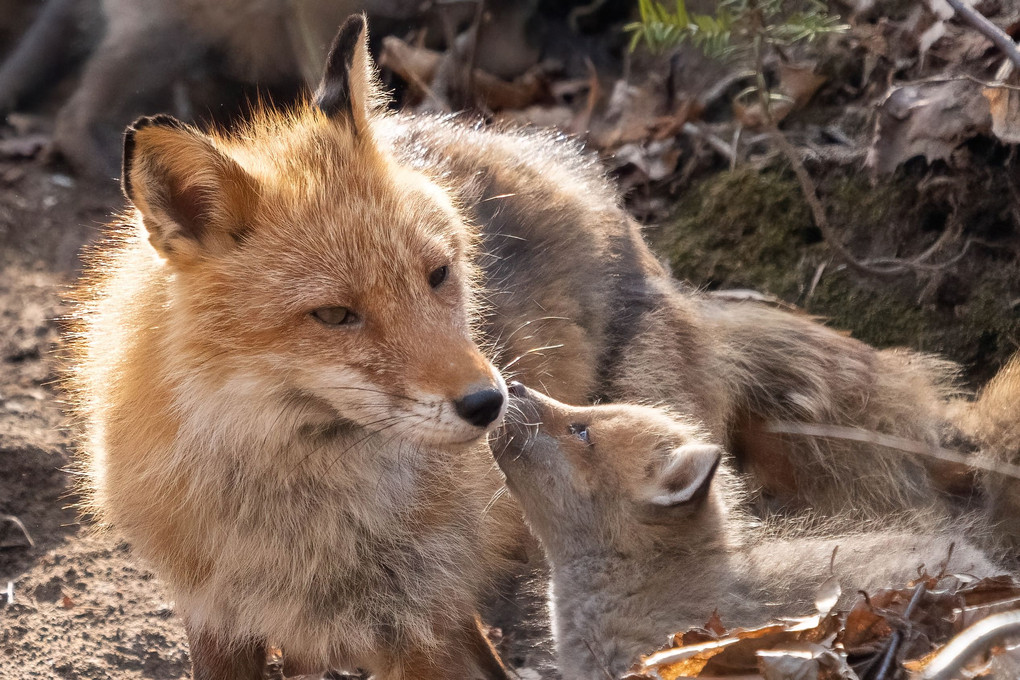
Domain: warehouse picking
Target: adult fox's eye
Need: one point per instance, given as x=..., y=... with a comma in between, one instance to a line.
x=335, y=316
x=580, y=431
x=439, y=275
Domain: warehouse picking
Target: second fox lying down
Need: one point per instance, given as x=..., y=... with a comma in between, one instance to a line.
x=645, y=537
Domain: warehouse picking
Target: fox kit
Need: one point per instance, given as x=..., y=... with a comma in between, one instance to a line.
x=279, y=371
x=642, y=533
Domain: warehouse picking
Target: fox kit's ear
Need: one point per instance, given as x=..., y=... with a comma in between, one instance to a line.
x=193, y=199
x=686, y=476
x=348, y=90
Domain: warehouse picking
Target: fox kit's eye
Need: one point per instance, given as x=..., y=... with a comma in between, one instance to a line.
x=335, y=316
x=439, y=275
x=580, y=431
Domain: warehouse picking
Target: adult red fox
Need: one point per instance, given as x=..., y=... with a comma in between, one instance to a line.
x=285, y=403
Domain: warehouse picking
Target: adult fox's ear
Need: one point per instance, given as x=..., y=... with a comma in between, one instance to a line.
x=684, y=479
x=193, y=199
x=349, y=90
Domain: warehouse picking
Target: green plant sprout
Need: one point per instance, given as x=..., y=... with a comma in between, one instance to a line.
x=739, y=28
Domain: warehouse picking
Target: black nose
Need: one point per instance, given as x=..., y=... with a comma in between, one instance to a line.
x=480, y=408
x=516, y=389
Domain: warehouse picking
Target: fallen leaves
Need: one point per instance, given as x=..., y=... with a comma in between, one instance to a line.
x=798, y=83
x=929, y=119
x=421, y=67
x=909, y=626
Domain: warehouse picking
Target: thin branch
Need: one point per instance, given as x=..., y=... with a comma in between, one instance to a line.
x=807, y=187
x=889, y=441
x=897, y=637
x=599, y=661
x=987, y=29
x=982, y=635
x=720, y=147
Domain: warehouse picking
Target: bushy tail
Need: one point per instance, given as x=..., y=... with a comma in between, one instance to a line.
x=791, y=369
x=994, y=422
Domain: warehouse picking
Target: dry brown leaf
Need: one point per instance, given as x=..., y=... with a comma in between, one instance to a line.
x=679, y=662
x=929, y=119
x=864, y=630
x=735, y=654
x=418, y=67
x=816, y=647
x=827, y=595
x=715, y=624
x=798, y=83
x=987, y=590
x=1005, y=107
x=803, y=661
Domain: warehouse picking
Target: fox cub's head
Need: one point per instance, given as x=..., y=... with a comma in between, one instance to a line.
x=307, y=264
x=610, y=479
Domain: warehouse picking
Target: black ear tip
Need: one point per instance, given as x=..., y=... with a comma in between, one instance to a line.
x=355, y=22
x=346, y=40
x=334, y=96
x=353, y=26
x=159, y=120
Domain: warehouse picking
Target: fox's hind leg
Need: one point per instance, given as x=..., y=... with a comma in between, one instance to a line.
x=213, y=658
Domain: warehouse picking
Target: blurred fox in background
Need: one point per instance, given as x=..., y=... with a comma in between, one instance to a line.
x=202, y=58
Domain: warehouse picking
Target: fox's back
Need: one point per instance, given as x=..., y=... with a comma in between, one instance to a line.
x=566, y=271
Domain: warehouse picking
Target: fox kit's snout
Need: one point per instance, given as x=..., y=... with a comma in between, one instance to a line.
x=582, y=474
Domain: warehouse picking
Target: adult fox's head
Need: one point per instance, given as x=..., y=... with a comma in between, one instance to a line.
x=306, y=263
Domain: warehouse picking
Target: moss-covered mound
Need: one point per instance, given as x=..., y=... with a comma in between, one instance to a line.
x=750, y=229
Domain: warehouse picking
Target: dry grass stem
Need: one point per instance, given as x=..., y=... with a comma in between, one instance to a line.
x=889, y=441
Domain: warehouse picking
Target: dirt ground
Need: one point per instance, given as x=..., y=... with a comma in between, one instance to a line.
x=73, y=605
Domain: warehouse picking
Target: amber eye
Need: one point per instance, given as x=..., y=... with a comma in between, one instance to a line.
x=439, y=275
x=580, y=431
x=335, y=316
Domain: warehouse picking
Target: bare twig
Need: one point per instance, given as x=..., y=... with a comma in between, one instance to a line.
x=944, y=569
x=889, y=441
x=986, y=28
x=819, y=270
x=598, y=660
x=966, y=76
x=807, y=185
x=948, y=662
x=721, y=147
x=469, y=74
x=13, y=533
x=897, y=637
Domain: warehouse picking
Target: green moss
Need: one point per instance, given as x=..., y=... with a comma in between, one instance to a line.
x=750, y=229
x=739, y=229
